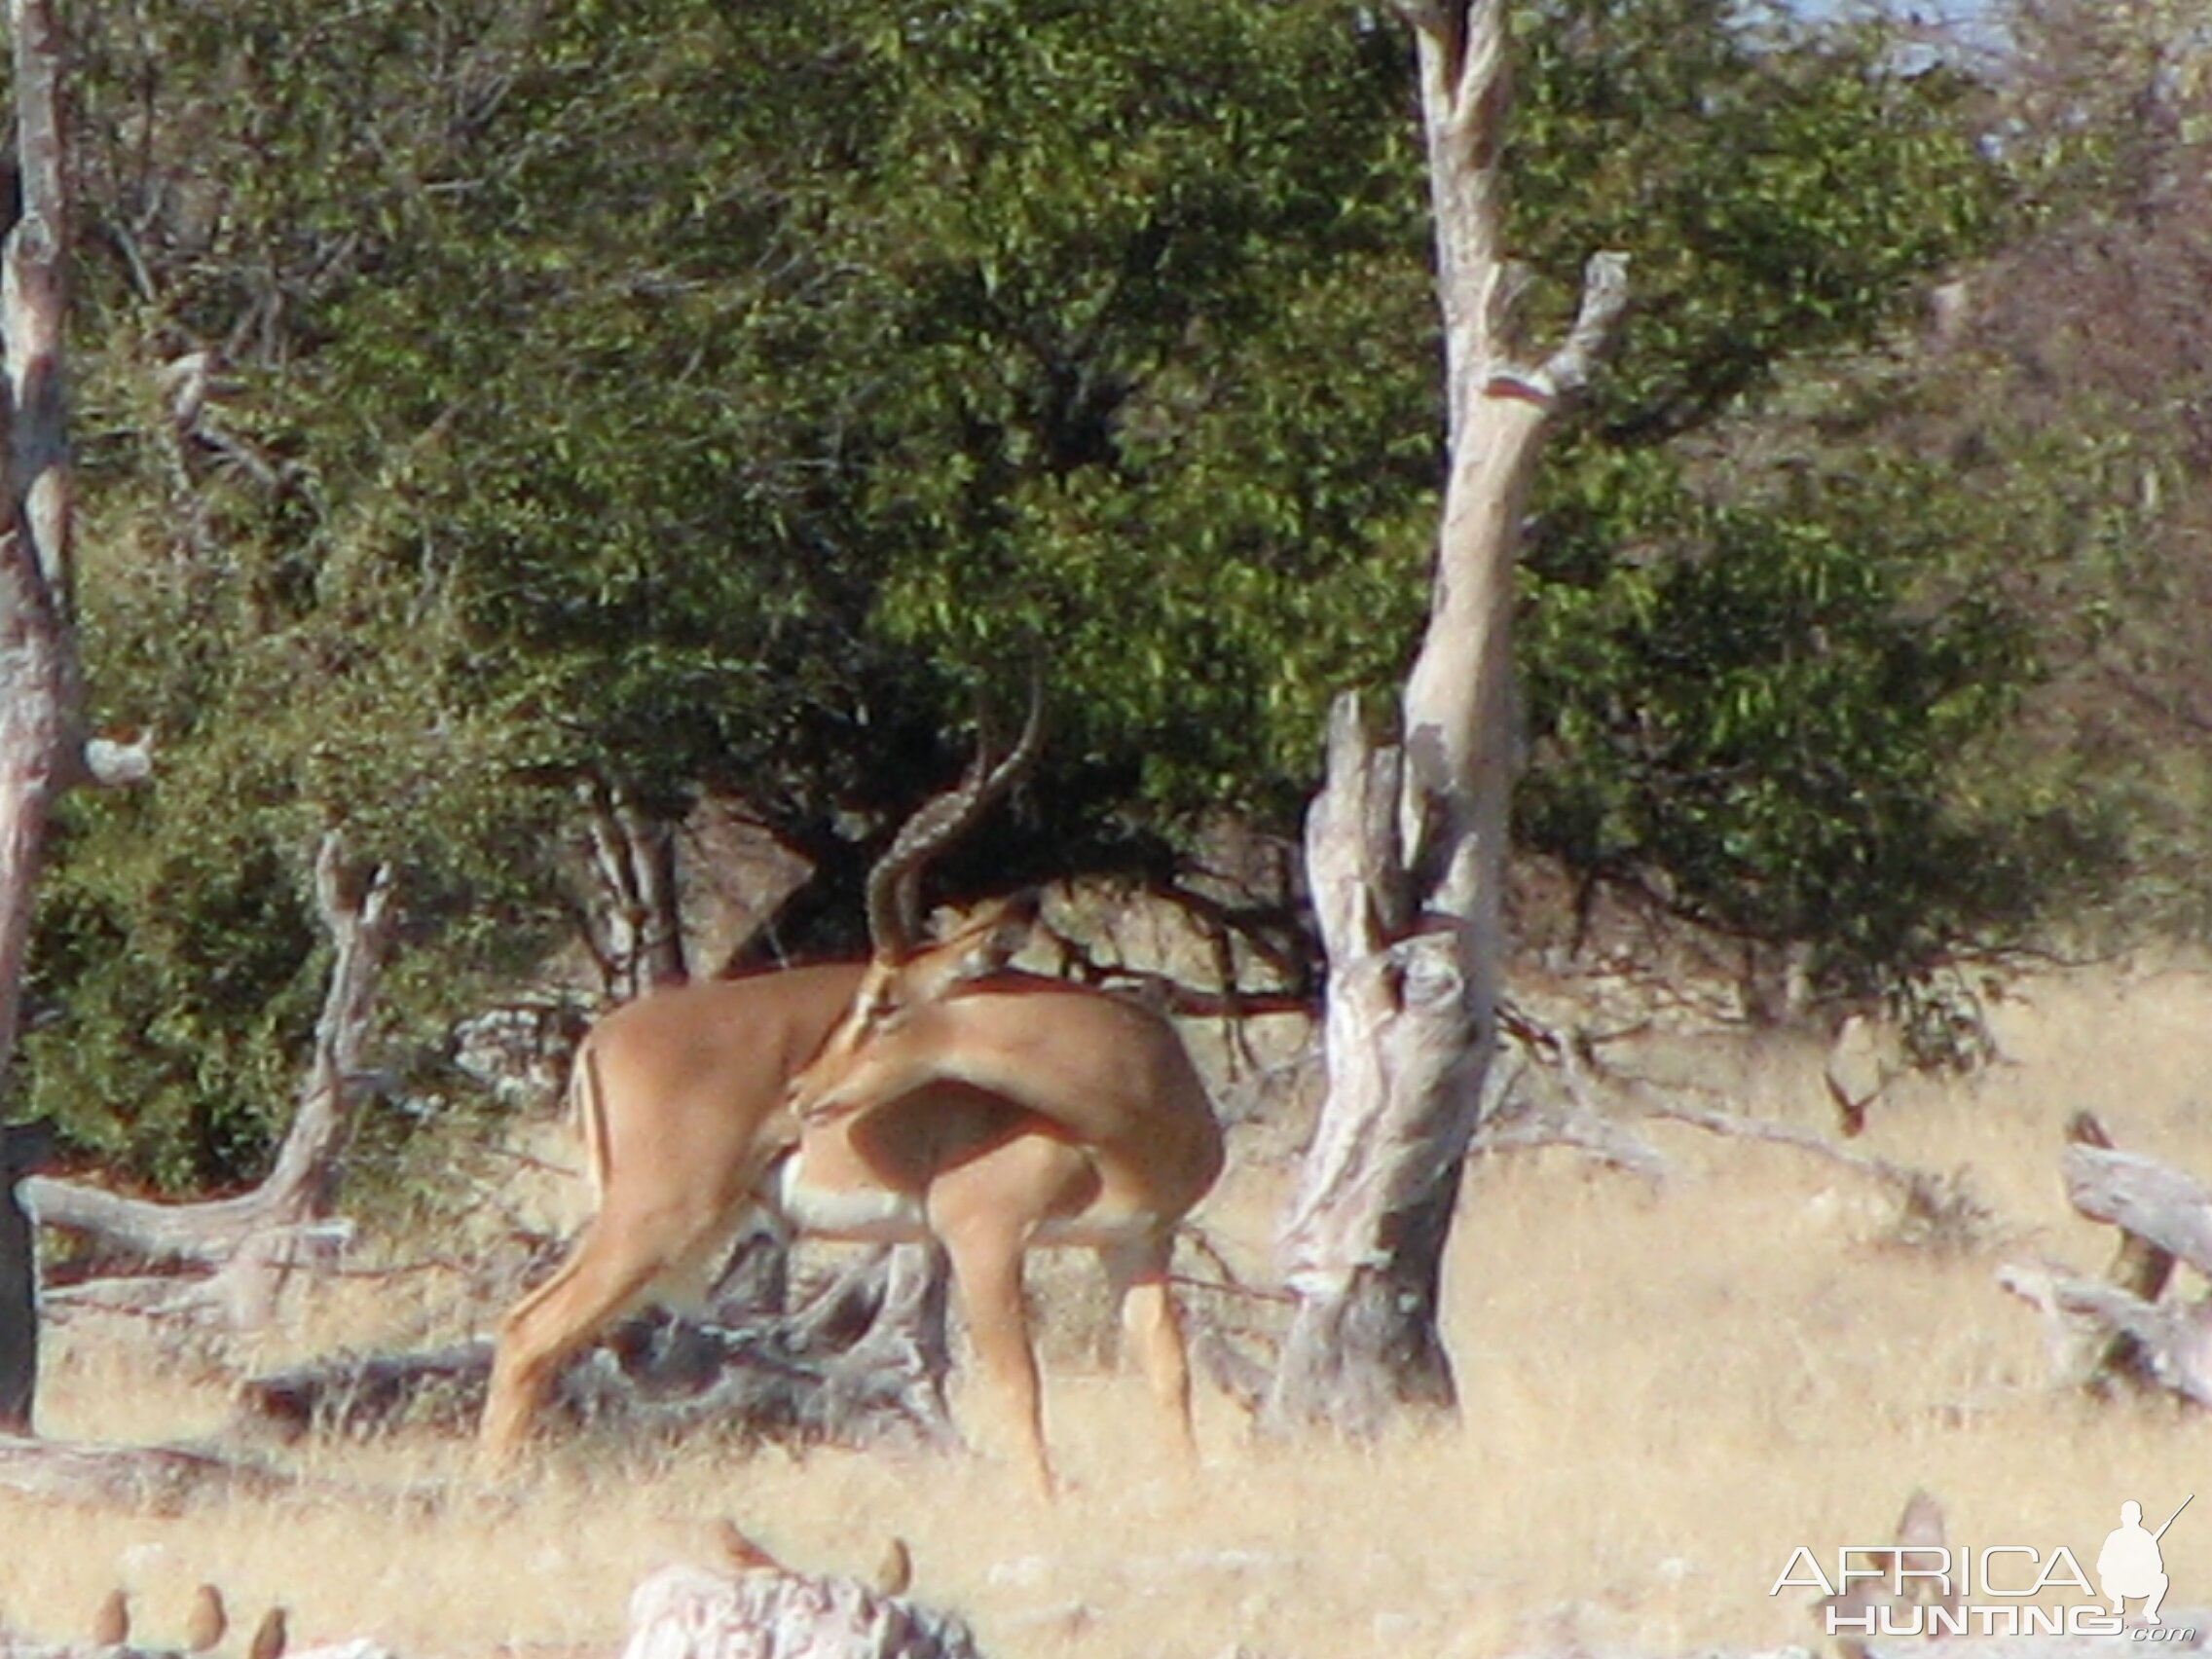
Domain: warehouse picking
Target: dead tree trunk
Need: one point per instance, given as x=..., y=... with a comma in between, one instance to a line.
x=22, y=1148
x=43, y=749
x=2139, y=1269
x=1406, y=842
x=639, y=936
x=2132, y=1328
x=258, y=1236
x=302, y=1188
x=38, y=690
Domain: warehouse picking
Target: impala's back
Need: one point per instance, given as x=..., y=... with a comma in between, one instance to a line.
x=678, y=1095
x=1109, y=1074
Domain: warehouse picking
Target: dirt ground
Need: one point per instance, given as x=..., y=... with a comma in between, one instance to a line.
x=1667, y=1389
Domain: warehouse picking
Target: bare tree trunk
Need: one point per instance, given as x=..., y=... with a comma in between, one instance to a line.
x=42, y=748
x=38, y=693
x=258, y=1236
x=1406, y=843
x=32, y=727
x=41, y=744
x=641, y=929
x=302, y=1187
x=22, y=1148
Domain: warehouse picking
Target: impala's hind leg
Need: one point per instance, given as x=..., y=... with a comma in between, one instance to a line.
x=602, y=1275
x=1150, y=1329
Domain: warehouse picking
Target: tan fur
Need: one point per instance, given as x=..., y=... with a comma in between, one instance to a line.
x=680, y=1101
x=678, y=1096
x=1061, y=1113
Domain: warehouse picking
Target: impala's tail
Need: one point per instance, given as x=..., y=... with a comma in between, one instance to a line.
x=587, y=1107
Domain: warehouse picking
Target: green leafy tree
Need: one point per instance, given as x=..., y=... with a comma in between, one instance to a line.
x=482, y=402
x=1760, y=654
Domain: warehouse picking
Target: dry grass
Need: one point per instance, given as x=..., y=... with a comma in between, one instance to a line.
x=1666, y=1392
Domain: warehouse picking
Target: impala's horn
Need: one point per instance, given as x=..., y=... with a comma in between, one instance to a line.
x=895, y=884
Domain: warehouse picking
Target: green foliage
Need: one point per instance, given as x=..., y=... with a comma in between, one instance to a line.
x=2078, y=415
x=1783, y=192
x=1763, y=715
x=700, y=397
x=171, y=988
x=1756, y=667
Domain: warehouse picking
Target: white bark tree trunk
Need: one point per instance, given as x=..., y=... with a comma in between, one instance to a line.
x=42, y=745
x=38, y=690
x=43, y=748
x=1406, y=843
x=637, y=932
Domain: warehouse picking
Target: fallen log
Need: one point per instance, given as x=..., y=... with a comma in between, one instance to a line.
x=1579, y=1126
x=2099, y=1360
x=2171, y=1343
x=359, y=1396
x=861, y=1365
x=157, y=1480
x=1939, y=1206
x=245, y=1247
x=2127, y=1329
x=2151, y=1201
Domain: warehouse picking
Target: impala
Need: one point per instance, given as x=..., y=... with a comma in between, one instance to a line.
x=678, y=1097
x=1079, y=1120
x=1037, y=1113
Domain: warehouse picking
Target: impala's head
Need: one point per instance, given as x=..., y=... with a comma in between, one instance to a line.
x=874, y=1053
x=861, y=1063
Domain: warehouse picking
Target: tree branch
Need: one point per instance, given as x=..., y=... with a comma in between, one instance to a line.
x=1566, y=371
x=257, y=1235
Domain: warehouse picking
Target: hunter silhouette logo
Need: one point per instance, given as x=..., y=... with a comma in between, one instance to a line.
x=1923, y=1586
x=2130, y=1563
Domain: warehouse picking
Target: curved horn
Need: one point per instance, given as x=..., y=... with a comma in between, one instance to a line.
x=894, y=884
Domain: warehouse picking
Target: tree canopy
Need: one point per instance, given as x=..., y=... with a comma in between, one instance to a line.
x=480, y=399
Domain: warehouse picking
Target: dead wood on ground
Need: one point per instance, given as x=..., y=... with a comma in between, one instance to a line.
x=248, y=1245
x=770, y=1613
x=861, y=1364
x=158, y=1480
x=2129, y=1331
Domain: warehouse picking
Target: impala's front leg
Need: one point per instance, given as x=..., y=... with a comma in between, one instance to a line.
x=983, y=1213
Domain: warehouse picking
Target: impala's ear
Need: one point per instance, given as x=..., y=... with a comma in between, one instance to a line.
x=990, y=941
